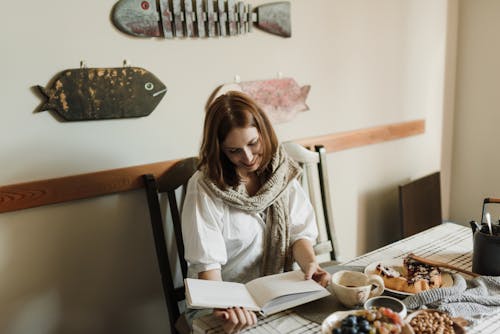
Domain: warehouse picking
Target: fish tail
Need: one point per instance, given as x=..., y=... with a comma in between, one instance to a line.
x=46, y=104
x=304, y=91
x=42, y=91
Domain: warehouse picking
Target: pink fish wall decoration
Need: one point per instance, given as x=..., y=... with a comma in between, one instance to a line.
x=281, y=99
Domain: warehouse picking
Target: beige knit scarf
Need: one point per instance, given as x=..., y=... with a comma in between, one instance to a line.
x=273, y=196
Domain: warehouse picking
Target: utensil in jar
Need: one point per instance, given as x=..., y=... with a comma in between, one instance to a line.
x=488, y=221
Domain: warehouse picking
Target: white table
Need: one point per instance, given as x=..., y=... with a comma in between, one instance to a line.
x=448, y=242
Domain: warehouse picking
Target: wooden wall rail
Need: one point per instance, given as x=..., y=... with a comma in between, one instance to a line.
x=37, y=193
x=350, y=139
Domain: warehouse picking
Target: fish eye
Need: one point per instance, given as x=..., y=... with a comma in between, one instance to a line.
x=145, y=5
x=149, y=86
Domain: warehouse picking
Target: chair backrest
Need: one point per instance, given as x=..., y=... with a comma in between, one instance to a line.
x=420, y=204
x=175, y=178
x=315, y=182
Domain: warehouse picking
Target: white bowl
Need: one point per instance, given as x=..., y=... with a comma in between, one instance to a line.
x=458, y=328
x=385, y=301
x=334, y=320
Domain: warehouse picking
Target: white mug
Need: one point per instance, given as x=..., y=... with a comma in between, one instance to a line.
x=353, y=288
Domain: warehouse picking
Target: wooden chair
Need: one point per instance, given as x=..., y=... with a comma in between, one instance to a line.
x=315, y=182
x=175, y=178
x=420, y=204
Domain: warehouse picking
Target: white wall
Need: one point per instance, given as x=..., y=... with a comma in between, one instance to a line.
x=89, y=266
x=475, y=171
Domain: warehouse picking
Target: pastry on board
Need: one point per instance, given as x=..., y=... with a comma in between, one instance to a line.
x=415, y=276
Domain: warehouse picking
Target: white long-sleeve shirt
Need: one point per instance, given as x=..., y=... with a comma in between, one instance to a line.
x=218, y=236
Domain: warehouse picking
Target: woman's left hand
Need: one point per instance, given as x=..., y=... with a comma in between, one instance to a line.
x=235, y=319
x=314, y=271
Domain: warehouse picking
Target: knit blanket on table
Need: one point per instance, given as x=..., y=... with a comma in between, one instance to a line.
x=469, y=299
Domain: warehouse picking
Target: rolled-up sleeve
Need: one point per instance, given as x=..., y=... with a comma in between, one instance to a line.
x=302, y=218
x=201, y=229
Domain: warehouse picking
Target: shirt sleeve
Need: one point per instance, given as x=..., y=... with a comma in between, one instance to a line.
x=202, y=228
x=302, y=218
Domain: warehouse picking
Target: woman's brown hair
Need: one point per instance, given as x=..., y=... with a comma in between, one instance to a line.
x=228, y=111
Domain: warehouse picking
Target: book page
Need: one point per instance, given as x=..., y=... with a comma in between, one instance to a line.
x=202, y=293
x=288, y=301
x=267, y=288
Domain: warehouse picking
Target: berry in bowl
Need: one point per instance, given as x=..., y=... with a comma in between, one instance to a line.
x=374, y=321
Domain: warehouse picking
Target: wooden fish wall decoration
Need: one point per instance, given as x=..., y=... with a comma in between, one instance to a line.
x=281, y=99
x=103, y=93
x=199, y=18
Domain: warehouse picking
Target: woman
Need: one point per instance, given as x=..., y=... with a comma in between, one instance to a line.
x=245, y=214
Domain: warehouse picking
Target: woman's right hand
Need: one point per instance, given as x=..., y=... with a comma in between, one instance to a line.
x=235, y=319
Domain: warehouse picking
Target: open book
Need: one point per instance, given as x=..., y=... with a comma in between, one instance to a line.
x=267, y=295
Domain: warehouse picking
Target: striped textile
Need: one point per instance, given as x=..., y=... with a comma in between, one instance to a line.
x=283, y=322
x=448, y=242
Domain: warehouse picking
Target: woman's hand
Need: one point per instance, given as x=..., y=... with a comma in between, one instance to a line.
x=314, y=271
x=235, y=319
x=304, y=255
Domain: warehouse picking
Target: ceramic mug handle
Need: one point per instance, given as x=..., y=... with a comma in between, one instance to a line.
x=378, y=282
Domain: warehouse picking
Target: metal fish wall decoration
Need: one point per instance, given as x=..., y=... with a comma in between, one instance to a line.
x=103, y=93
x=199, y=18
x=281, y=99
